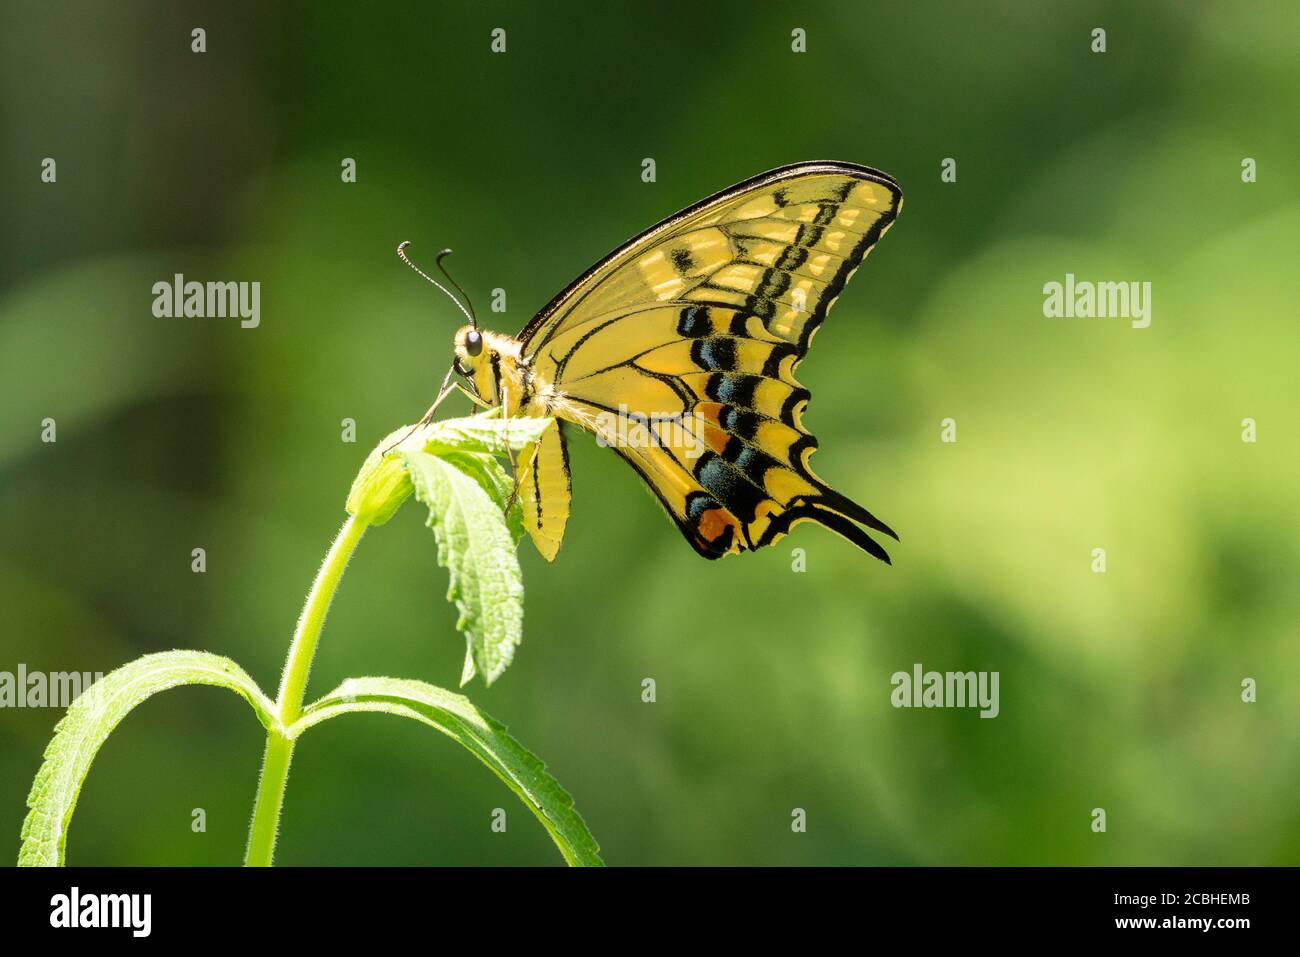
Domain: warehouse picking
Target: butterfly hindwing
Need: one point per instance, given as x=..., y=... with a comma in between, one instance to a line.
x=733, y=467
x=689, y=337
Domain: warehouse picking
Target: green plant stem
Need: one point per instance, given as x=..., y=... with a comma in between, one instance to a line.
x=270, y=798
x=293, y=685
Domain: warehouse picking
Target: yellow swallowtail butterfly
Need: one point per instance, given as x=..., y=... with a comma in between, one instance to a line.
x=679, y=349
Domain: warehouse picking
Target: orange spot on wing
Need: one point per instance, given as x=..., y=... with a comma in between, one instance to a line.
x=714, y=524
x=714, y=436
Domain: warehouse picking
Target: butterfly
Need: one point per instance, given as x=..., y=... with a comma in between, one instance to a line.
x=679, y=349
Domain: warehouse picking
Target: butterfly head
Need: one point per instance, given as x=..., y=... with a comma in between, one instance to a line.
x=471, y=351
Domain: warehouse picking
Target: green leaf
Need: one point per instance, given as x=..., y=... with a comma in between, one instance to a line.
x=382, y=485
x=485, y=581
x=477, y=548
x=90, y=720
x=457, y=717
x=496, y=481
x=481, y=433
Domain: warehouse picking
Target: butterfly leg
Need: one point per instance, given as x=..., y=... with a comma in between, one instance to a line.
x=480, y=402
x=444, y=390
x=510, y=453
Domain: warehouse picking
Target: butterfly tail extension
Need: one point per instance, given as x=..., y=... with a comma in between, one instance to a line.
x=843, y=527
x=828, y=517
x=845, y=506
x=841, y=515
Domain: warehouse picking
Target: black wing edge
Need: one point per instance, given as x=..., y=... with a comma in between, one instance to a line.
x=830, y=509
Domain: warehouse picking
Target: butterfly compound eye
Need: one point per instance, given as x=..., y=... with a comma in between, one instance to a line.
x=473, y=343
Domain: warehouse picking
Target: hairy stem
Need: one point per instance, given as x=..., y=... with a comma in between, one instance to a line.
x=270, y=797
x=293, y=685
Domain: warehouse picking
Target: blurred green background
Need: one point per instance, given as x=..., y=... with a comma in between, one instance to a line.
x=1119, y=691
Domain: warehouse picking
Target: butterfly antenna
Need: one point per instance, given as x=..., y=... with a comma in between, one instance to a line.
x=463, y=294
x=401, y=253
